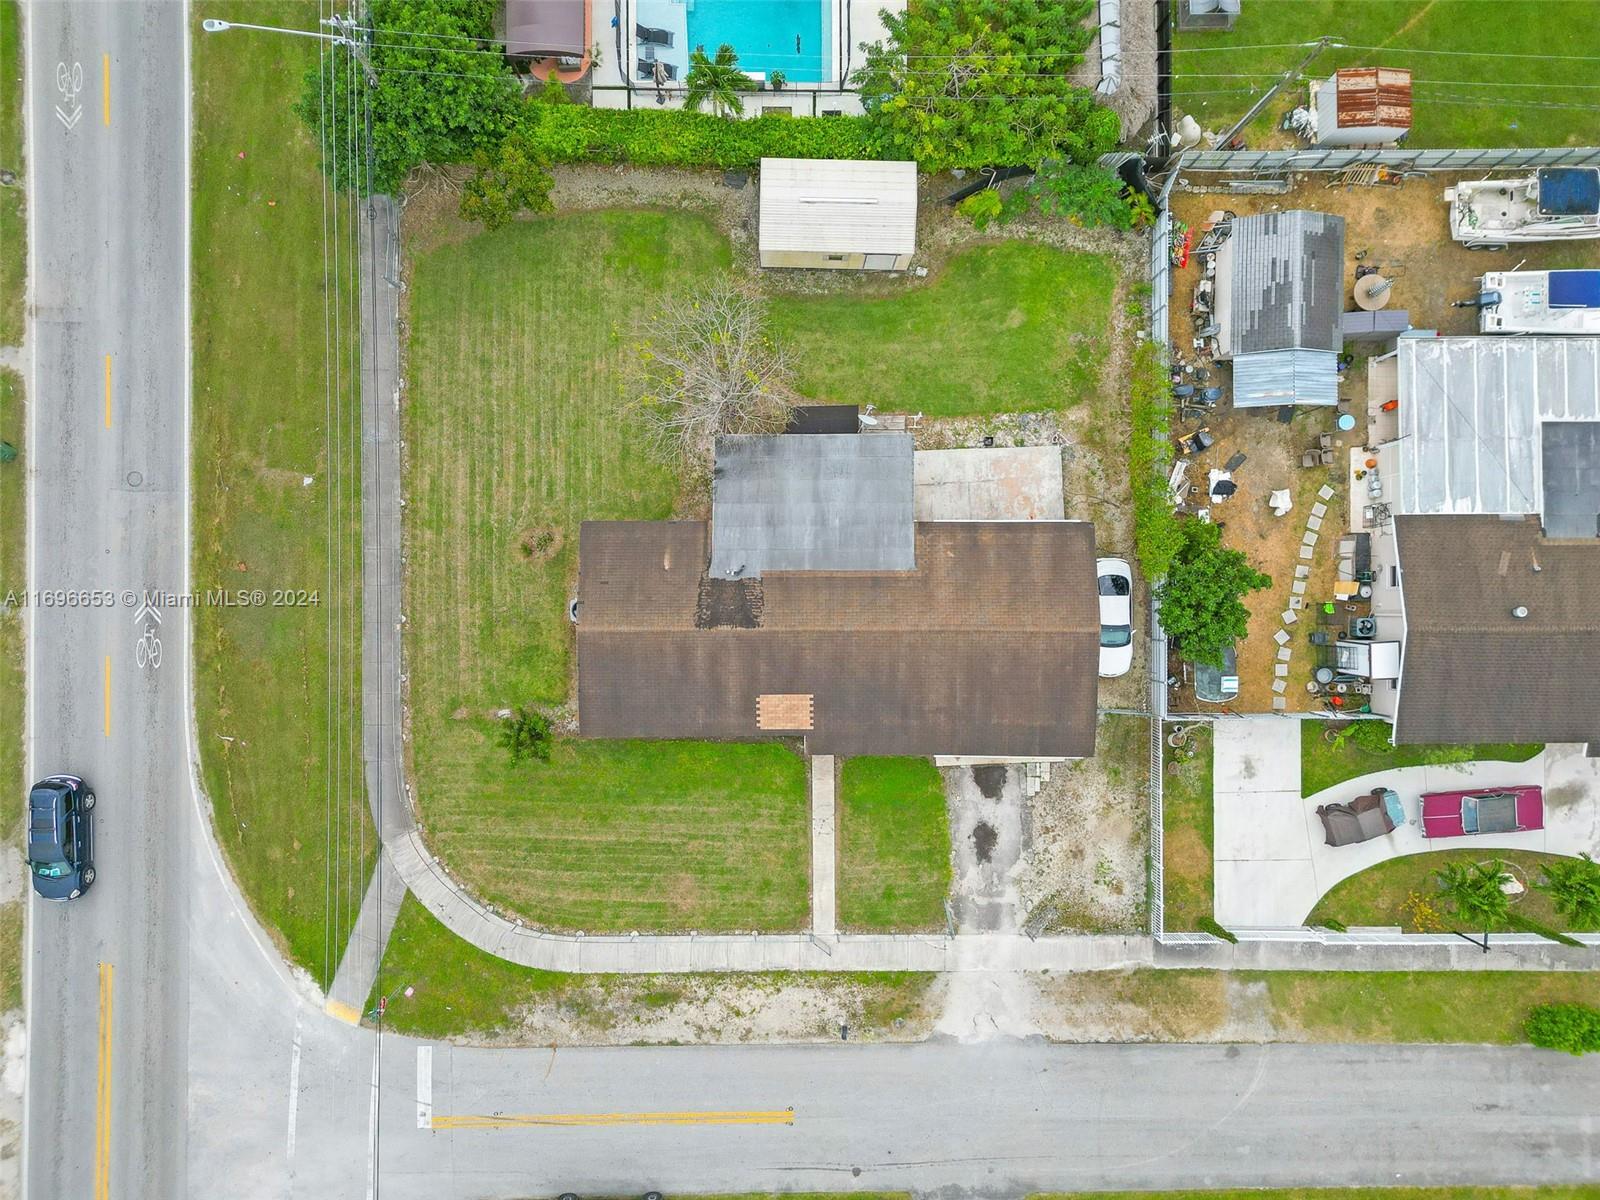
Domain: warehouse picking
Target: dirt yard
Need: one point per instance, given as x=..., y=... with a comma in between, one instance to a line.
x=1402, y=231
x=1087, y=839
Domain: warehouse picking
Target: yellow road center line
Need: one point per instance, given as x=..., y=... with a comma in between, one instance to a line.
x=105, y=88
x=108, y=391
x=102, y=1145
x=108, y=695
x=514, y=1121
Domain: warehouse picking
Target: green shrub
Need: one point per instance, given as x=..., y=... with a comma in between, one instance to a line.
x=512, y=181
x=981, y=207
x=1334, y=924
x=526, y=734
x=1202, y=607
x=1209, y=925
x=1371, y=736
x=1574, y=1028
x=1155, y=529
x=1088, y=196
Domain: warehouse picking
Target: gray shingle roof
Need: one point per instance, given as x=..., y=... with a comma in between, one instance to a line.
x=823, y=502
x=1286, y=282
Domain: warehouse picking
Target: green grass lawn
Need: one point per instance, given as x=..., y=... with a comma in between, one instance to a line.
x=13, y=234
x=461, y=991
x=1187, y=834
x=13, y=576
x=519, y=351
x=623, y=835
x=1575, y=1192
x=1403, y=892
x=1323, y=764
x=894, y=845
x=1461, y=99
x=290, y=806
x=1013, y=327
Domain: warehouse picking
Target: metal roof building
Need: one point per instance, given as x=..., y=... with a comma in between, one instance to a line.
x=1362, y=106
x=1279, y=307
x=823, y=502
x=838, y=214
x=1500, y=426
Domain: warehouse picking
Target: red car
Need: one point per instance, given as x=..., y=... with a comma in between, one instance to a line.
x=1492, y=810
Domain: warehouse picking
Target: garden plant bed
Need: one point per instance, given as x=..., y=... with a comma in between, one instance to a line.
x=894, y=845
x=1323, y=764
x=1404, y=892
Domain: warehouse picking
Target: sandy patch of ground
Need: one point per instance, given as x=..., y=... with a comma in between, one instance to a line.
x=1154, y=1006
x=13, y=1072
x=720, y=1010
x=1084, y=865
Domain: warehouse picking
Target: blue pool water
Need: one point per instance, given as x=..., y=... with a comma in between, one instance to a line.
x=764, y=32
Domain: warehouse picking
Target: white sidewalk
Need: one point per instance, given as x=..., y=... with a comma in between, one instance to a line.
x=824, y=912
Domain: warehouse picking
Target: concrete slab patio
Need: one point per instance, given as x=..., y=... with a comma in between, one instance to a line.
x=1003, y=483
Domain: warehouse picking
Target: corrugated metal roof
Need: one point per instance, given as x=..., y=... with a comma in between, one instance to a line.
x=838, y=206
x=1373, y=97
x=1285, y=278
x=1470, y=414
x=827, y=502
x=1286, y=377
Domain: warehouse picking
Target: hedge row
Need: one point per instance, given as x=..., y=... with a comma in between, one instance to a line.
x=572, y=133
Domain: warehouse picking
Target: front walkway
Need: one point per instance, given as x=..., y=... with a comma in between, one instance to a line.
x=1272, y=862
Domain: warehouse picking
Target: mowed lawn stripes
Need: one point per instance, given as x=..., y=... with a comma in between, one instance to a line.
x=517, y=431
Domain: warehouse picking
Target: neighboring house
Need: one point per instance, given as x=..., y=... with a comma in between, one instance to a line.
x=1484, y=517
x=549, y=35
x=814, y=606
x=838, y=214
x=1362, y=106
x=1279, y=300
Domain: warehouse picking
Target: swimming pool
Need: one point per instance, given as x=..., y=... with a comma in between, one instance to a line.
x=791, y=36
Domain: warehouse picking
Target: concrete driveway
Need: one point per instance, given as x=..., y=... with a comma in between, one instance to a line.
x=1272, y=864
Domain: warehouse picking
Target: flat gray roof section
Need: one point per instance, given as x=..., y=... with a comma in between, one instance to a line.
x=1471, y=415
x=826, y=502
x=1284, y=275
x=1571, y=479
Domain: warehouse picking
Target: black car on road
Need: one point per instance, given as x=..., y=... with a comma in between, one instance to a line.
x=60, y=837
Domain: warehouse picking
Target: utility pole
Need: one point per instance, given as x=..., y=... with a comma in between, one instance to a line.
x=1293, y=73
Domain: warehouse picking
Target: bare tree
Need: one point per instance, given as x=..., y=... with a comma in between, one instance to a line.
x=707, y=366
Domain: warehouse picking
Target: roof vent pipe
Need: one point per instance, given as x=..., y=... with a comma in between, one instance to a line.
x=1520, y=611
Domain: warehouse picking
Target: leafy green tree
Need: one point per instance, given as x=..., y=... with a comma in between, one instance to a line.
x=1476, y=892
x=962, y=82
x=1573, y=885
x=718, y=80
x=526, y=734
x=1574, y=1028
x=438, y=98
x=1201, y=598
x=511, y=181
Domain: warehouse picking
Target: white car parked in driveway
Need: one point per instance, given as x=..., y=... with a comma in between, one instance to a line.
x=1115, y=584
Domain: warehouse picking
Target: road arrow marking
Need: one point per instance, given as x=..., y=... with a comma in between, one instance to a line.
x=147, y=610
x=69, y=121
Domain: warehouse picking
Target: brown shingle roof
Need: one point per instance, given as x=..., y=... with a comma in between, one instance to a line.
x=1473, y=672
x=991, y=646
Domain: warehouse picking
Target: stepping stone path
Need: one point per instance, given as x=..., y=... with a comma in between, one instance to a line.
x=1297, y=595
x=1298, y=587
x=1325, y=492
x=1284, y=651
x=1280, y=637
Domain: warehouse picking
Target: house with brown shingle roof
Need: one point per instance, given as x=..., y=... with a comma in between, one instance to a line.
x=856, y=628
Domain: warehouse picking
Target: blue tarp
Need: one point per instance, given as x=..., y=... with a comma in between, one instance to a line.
x=1569, y=191
x=1575, y=289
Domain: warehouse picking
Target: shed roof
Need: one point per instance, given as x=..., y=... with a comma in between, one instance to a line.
x=1276, y=377
x=545, y=27
x=1471, y=417
x=838, y=206
x=1284, y=274
x=824, y=502
x=1473, y=672
x=1377, y=97
x=991, y=646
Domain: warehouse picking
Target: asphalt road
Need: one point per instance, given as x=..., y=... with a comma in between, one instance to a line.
x=107, y=974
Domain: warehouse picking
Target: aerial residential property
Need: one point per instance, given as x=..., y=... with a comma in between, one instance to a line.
x=908, y=599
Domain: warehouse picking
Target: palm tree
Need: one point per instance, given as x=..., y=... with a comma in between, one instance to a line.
x=1573, y=885
x=1476, y=892
x=718, y=80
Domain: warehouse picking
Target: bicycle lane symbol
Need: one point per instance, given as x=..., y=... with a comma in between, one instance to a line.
x=69, y=82
x=147, y=648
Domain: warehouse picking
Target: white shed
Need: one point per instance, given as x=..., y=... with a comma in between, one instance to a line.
x=838, y=214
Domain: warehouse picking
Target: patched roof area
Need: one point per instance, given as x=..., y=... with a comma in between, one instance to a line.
x=1475, y=670
x=989, y=646
x=1496, y=425
x=823, y=502
x=1283, y=275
